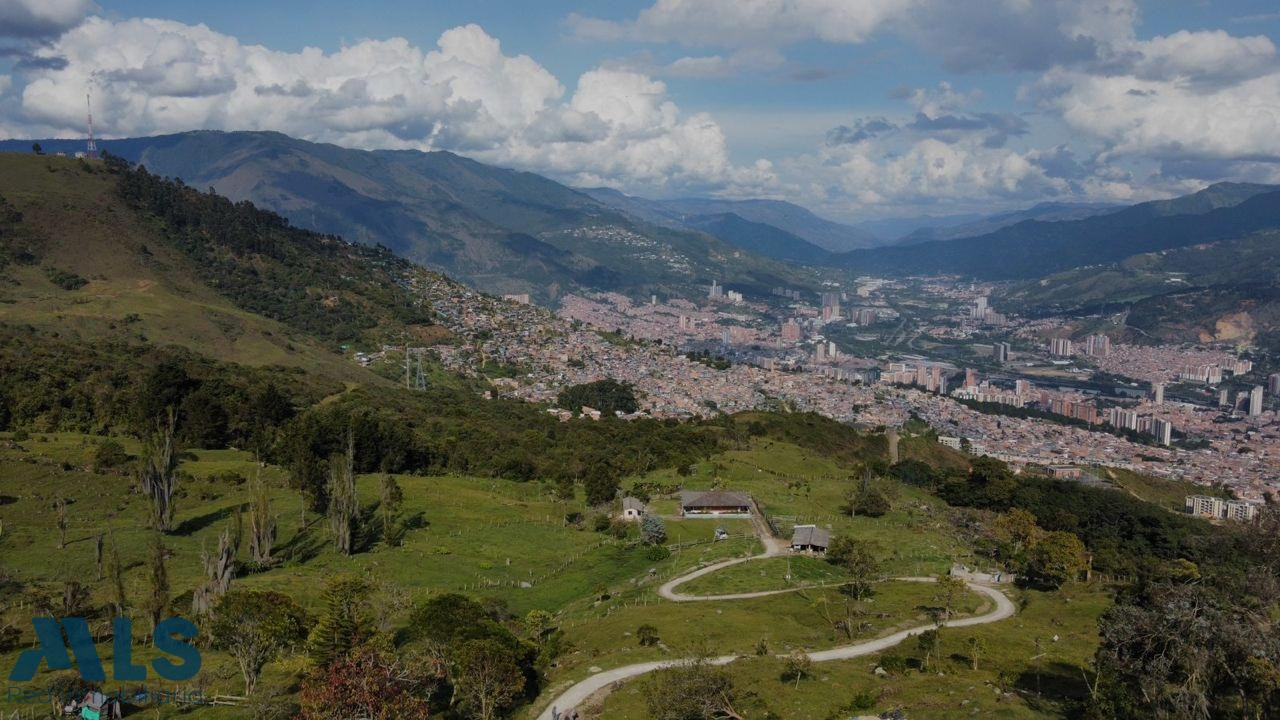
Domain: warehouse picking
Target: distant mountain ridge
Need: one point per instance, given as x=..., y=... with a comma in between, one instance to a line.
x=1045, y=212
x=1034, y=248
x=500, y=230
x=787, y=217
x=759, y=238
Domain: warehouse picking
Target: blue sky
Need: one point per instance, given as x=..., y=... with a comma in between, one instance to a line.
x=857, y=108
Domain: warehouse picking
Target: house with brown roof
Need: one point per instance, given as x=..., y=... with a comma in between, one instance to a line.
x=694, y=503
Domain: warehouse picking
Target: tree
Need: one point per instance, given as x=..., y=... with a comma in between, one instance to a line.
x=871, y=502
x=343, y=507
x=35, y=148
x=389, y=508
x=647, y=635
x=1015, y=532
x=600, y=484
x=653, y=529
x=60, y=512
x=1057, y=558
x=976, y=647
x=262, y=524
x=797, y=666
x=930, y=643
x=855, y=557
x=115, y=568
x=369, y=684
x=695, y=690
x=488, y=676
x=948, y=591
x=254, y=627
x=219, y=569
x=606, y=395
x=158, y=475
x=1189, y=651
x=158, y=600
x=344, y=622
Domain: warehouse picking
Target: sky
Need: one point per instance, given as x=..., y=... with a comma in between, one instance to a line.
x=858, y=109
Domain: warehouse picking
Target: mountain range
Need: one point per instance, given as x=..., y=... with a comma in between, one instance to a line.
x=1034, y=248
x=787, y=217
x=500, y=230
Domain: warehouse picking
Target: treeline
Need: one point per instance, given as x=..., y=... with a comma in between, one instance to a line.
x=443, y=430
x=114, y=387
x=319, y=284
x=1125, y=535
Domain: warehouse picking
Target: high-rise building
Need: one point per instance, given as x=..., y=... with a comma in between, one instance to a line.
x=1060, y=347
x=790, y=331
x=1223, y=398
x=1163, y=430
x=1273, y=383
x=716, y=292
x=1000, y=351
x=970, y=377
x=1255, y=401
x=1157, y=393
x=1097, y=346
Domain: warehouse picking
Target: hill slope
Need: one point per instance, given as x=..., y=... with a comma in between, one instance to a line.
x=99, y=255
x=759, y=238
x=499, y=230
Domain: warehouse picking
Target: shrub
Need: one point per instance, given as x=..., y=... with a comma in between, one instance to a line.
x=109, y=454
x=647, y=635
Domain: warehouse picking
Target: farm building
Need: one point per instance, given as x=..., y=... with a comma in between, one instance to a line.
x=810, y=538
x=633, y=508
x=714, y=502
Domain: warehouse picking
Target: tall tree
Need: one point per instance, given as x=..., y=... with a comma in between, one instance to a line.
x=392, y=499
x=119, y=600
x=262, y=523
x=343, y=508
x=158, y=473
x=158, y=599
x=344, y=622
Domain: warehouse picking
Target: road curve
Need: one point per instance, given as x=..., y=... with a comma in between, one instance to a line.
x=577, y=694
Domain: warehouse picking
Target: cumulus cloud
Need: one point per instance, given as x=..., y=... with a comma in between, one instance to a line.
x=38, y=19
x=1202, y=95
x=153, y=76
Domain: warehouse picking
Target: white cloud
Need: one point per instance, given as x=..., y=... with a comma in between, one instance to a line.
x=41, y=18
x=1202, y=95
x=153, y=76
x=748, y=23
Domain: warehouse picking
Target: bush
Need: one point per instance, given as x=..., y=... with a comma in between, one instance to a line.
x=647, y=635
x=872, y=503
x=109, y=454
x=653, y=529
x=656, y=553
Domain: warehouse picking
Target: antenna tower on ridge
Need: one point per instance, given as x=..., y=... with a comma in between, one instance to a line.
x=91, y=149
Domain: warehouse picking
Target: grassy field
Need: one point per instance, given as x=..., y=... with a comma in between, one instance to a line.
x=776, y=573
x=1028, y=667
x=797, y=486
x=509, y=541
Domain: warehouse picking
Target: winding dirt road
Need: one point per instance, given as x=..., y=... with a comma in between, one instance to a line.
x=578, y=693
